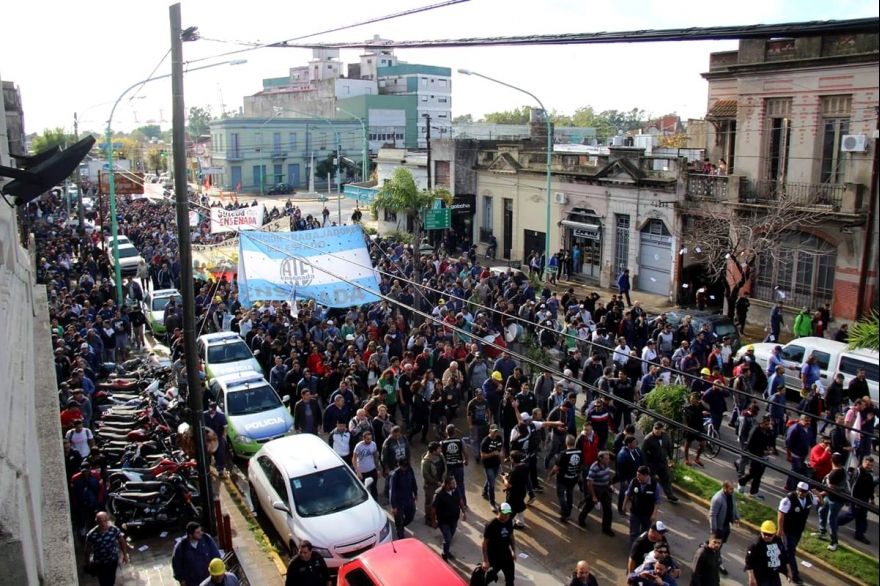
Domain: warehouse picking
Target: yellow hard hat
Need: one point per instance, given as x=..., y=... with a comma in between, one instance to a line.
x=705, y=371
x=768, y=527
x=218, y=568
x=497, y=375
x=750, y=348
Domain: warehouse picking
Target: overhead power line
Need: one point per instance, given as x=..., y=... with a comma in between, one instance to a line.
x=711, y=33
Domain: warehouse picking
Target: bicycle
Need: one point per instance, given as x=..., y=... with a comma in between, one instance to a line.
x=713, y=447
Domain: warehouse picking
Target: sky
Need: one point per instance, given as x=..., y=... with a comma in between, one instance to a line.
x=71, y=57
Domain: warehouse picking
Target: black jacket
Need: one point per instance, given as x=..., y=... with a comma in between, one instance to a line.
x=657, y=450
x=705, y=570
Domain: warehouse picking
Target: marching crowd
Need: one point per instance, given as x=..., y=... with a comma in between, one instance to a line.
x=371, y=381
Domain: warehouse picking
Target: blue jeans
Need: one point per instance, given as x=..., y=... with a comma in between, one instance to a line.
x=828, y=515
x=860, y=515
x=791, y=543
x=220, y=454
x=565, y=494
x=489, y=486
x=404, y=517
x=637, y=526
x=457, y=472
x=798, y=467
x=448, y=531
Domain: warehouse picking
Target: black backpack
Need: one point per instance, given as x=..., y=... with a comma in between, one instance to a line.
x=480, y=577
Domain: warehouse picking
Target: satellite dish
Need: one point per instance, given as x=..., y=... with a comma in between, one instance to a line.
x=44, y=171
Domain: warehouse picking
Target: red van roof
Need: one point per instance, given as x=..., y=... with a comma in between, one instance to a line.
x=404, y=563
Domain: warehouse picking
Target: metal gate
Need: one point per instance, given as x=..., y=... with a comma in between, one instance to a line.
x=655, y=259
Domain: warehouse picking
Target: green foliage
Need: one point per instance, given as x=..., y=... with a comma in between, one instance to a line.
x=150, y=131
x=154, y=159
x=667, y=400
x=326, y=167
x=53, y=137
x=197, y=121
x=370, y=230
x=862, y=568
x=607, y=123
x=865, y=333
x=401, y=194
x=404, y=237
x=463, y=119
x=518, y=116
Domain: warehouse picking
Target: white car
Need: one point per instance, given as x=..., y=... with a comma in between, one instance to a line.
x=129, y=258
x=308, y=492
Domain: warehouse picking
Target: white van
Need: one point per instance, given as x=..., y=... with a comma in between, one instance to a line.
x=308, y=492
x=129, y=258
x=833, y=358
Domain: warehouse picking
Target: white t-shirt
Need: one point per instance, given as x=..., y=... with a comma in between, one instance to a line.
x=79, y=441
x=365, y=453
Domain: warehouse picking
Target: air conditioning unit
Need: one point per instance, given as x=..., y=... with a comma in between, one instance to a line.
x=854, y=143
x=560, y=197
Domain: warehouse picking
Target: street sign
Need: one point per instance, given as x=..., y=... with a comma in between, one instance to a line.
x=126, y=183
x=438, y=219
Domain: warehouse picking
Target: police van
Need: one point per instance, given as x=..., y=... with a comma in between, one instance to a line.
x=254, y=412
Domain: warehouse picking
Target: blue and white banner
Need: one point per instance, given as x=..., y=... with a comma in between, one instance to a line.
x=310, y=264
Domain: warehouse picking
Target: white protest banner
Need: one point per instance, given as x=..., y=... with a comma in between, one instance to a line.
x=248, y=218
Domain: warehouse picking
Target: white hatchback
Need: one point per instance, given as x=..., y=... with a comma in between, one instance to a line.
x=308, y=492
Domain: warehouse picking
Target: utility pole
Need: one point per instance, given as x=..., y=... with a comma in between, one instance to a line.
x=181, y=200
x=428, y=140
x=79, y=197
x=338, y=180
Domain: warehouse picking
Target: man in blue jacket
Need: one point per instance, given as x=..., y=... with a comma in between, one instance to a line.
x=403, y=495
x=623, y=285
x=192, y=556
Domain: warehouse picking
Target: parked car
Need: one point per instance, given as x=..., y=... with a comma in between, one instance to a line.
x=307, y=491
x=833, y=358
x=225, y=353
x=720, y=325
x=154, y=308
x=129, y=258
x=254, y=412
x=281, y=189
x=406, y=562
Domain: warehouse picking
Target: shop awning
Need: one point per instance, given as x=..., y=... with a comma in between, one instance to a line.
x=581, y=226
x=722, y=109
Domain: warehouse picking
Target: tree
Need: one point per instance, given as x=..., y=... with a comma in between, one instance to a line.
x=679, y=140
x=401, y=194
x=517, y=116
x=865, y=333
x=463, y=119
x=155, y=161
x=326, y=167
x=151, y=131
x=52, y=137
x=197, y=121
x=727, y=239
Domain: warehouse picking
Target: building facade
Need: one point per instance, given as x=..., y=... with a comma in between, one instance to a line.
x=250, y=154
x=432, y=88
x=616, y=209
x=795, y=123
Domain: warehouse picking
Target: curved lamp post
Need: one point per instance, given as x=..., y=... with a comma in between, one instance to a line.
x=114, y=224
x=365, y=164
x=549, y=151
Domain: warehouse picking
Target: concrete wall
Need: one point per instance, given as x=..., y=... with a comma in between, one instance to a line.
x=35, y=537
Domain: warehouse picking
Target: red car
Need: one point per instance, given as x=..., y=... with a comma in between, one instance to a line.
x=399, y=563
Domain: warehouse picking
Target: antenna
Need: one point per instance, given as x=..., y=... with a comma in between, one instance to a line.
x=222, y=105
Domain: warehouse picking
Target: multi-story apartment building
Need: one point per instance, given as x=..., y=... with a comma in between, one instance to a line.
x=795, y=123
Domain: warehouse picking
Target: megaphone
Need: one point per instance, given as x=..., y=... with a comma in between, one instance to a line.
x=43, y=171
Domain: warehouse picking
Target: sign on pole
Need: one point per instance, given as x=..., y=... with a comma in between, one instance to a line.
x=125, y=182
x=438, y=219
x=248, y=218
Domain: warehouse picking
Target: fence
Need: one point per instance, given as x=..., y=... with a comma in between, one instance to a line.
x=801, y=194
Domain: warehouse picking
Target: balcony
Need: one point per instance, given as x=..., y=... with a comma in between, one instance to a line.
x=234, y=155
x=711, y=187
x=279, y=154
x=771, y=192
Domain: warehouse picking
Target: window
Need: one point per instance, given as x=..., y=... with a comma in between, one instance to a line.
x=424, y=82
x=850, y=365
x=258, y=140
x=442, y=100
x=486, y=226
x=276, y=141
x=390, y=216
x=835, y=124
x=291, y=141
x=778, y=138
x=424, y=98
x=621, y=243
x=276, y=480
x=800, y=271
x=369, y=61
x=441, y=115
x=793, y=353
x=234, y=139
x=358, y=577
x=444, y=83
x=346, y=89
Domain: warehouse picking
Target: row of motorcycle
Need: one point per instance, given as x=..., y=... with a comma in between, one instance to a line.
x=139, y=416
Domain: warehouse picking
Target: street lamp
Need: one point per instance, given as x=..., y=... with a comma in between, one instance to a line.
x=549, y=150
x=262, y=156
x=114, y=224
x=365, y=164
x=338, y=156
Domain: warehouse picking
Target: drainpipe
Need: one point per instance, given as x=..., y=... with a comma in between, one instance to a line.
x=869, y=226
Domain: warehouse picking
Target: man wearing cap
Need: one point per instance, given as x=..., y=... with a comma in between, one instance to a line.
x=657, y=449
x=644, y=495
x=85, y=406
x=715, y=401
x=499, y=546
x=402, y=495
x=307, y=568
x=645, y=543
x=219, y=575
x=793, y=513
x=767, y=558
x=216, y=421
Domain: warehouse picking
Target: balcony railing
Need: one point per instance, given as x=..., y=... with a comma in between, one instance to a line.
x=800, y=194
x=707, y=186
x=279, y=154
x=234, y=155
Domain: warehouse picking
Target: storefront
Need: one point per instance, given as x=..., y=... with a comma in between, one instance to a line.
x=464, y=209
x=583, y=237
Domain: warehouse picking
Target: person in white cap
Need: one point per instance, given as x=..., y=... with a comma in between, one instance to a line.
x=793, y=513
x=499, y=546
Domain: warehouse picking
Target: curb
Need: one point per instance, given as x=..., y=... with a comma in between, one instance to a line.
x=818, y=562
x=270, y=551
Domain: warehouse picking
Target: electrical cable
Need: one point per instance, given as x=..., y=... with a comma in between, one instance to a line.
x=150, y=77
x=595, y=390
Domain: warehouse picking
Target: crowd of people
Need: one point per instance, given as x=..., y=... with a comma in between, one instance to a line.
x=373, y=379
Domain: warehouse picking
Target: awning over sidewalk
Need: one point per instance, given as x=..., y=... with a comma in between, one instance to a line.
x=723, y=109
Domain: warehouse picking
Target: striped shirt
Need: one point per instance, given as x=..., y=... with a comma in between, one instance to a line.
x=599, y=476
